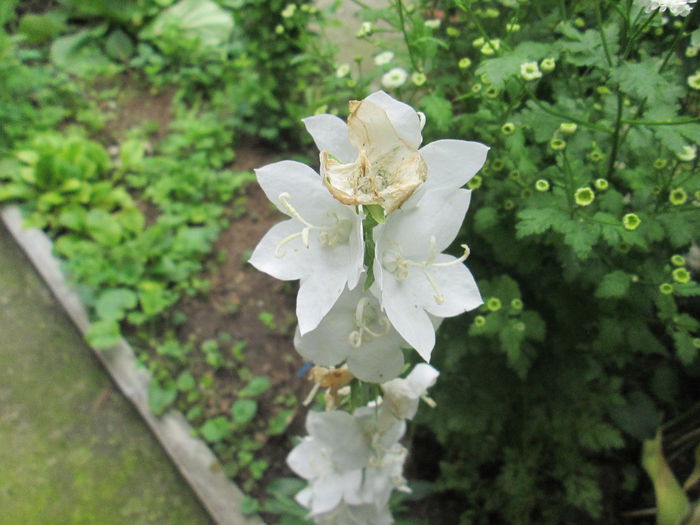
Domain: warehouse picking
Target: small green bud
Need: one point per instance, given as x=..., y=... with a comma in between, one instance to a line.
x=476, y=88
x=677, y=196
x=548, y=64
x=491, y=92
x=475, y=182
x=557, y=144
x=526, y=193
x=479, y=320
x=660, y=164
x=596, y=155
x=568, y=127
x=584, y=196
x=514, y=175
x=508, y=204
x=681, y=275
x=452, y=31
x=696, y=342
x=493, y=304
x=601, y=184
x=677, y=260
x=478, y=42
x=579, y=22
x=498, y=165
x=519, y=326
x=542, y=185
x=464, y=63
x=631, y=221
x=666, y=288
x=516, y=304
x=418, y=79
x=508, y=128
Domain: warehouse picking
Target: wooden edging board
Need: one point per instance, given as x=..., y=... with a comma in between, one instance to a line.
x=197, y=463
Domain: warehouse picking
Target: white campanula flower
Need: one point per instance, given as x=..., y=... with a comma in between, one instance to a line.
x=394, y=78
x=383, y=58
x=374, y=158
x=321, y=243
x=416, y=280
x=331, y=458
x=358, y=332
x=676, y=7
x=401, y=396
x=345, y=514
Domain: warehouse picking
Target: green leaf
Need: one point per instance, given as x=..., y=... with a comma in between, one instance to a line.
x=580, y=236
x=244, y=410
x=103, y=334
x=103, y=227
x=438, y=110
x=113, y=303
x=643, y=81
x=279, y=422
x=201, y=20
x=256, y=386
x=216, y=429
x=119, y=45
x=485, y=219
x=614, y=284
x=154, y=298
x=671, y=502
x=498, y=69
x=586, y=49
x=160, y=397
x=185, y=381
x=534, y=221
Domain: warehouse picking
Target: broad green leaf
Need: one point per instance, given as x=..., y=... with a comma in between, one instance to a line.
x=216, y=429
x=244, y=410
x=160, y=397
x=202, y=20
x=642, y=80
x=256, y=386
x=113, y=303
x=103, y=334
x=103, y=227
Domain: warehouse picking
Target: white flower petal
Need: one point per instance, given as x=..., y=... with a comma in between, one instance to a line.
x=438, y=214
x=402, y=116
x=307, y=193
x=421, y=378
x=451, y=163
x=327, y=494
x=320, y=289
x=303, y=497
x=342, y=435
x=294, y=255
x=317, y=346
x=307, y=461
x=330, y=133
x=459, y=290
x=377, y=361
x=409, y=319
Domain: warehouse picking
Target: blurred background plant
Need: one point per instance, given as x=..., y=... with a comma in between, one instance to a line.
x=583, y=225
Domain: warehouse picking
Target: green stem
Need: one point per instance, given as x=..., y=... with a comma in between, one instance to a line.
x=570, y=184
x=409, y=47
x=616, y=136
x=636, y=34
x=676, y=38
x=599, y=20
x=661, y=122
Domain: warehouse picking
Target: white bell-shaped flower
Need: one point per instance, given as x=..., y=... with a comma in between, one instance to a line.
x=401, y=396
x=358, y=332
x=374, y=158
x=321, y=244
x=414, y=277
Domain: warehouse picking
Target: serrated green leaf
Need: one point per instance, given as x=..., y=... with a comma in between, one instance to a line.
x=614, y=284
x=642, y=80
x=535, y=221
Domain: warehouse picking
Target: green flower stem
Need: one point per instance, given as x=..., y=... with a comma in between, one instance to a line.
x=599, y=20
x=661, y=122
x=409, y=47
x=676, y=39
x=636, y=34
x=616, y=136
x=569, y=183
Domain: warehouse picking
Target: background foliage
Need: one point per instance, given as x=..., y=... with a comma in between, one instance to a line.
x=583, y=225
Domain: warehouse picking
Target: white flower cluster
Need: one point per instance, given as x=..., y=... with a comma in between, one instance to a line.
x=372, y=161
x=354, y=461
x=676, y=7
x=366, y=239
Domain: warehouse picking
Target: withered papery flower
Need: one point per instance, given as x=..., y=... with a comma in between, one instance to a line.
x=387, y=170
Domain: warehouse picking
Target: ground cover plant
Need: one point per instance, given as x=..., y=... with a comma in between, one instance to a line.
x=582, y=229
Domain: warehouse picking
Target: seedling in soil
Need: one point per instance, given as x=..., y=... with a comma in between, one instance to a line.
x=268, y=319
